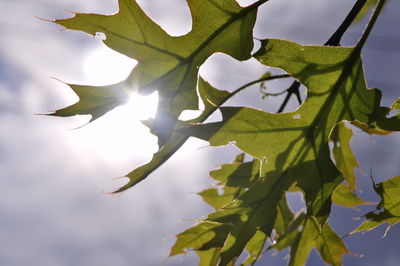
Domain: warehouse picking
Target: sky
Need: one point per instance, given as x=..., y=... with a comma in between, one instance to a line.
x=54, y=178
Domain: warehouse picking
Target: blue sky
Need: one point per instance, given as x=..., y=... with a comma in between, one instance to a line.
x=54, y=211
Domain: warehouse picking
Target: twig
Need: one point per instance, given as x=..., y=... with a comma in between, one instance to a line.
x=336, y=37
x=258, y=81
x=334, y=40
x=371, y=24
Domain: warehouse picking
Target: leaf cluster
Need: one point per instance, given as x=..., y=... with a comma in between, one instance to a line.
x=290, y=152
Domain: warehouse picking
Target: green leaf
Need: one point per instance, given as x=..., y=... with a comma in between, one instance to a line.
x=389, y=191
x=295, y=145
x=284, y=218
x=288, y=238
x=374, y=220
x=216, y=200
x=388, y=210
x=255, y=209
x=94, y=100
x=344, y=158
x=209, y=257
x=389, y=123
x=238, y=174
x=170, y=64
x=306, y=236
x=202, y=236
x=240, y=234
x=212, y=98
x=330, y=246
x=345, y=197
x=384, y=124
x=255, y=247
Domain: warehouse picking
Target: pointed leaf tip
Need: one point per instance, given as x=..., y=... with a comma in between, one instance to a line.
x=94, y=100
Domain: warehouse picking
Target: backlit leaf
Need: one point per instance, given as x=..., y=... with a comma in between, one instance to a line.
x=344, y=158
x=284, y=218
x=295, y=145
x=345, y=197
x=328, y=244
x=170, y=64
x=94, y=100
x=238, y=174
x=212, y=98
x=388, y=210
x=209, y=257
x=202, y=236
x=216, y=200
x=255, y=247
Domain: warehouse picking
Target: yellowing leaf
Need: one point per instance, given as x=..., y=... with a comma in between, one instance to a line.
x=170, y=64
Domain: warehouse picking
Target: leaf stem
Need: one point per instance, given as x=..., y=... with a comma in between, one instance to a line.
x=371, y=24
x=336, y=37
x=334, y=40
x=293, y=89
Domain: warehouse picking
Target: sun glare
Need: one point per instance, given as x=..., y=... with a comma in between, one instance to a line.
x=119, y=136
x=105, y=66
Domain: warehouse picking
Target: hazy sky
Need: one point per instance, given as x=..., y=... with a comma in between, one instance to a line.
x=54, y=211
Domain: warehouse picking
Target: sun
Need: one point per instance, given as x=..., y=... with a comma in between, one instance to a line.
x=104, y=66
x=119, y=136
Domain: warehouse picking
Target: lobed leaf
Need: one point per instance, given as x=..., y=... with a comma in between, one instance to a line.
x=212, y=98
x=295, y=145
x=388, y=210
x=170, y=64
x=202, y=236
x=328, y=244
x=345, y=197
x=238, y=174
x=94, y=100
x=216, y=200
